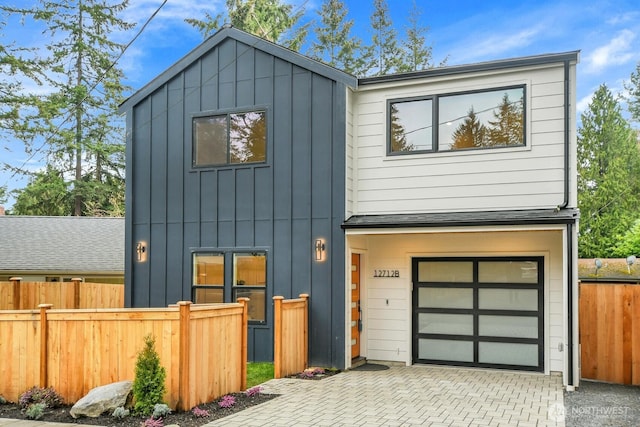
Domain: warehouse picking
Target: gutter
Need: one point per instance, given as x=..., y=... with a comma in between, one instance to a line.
x=565, y=203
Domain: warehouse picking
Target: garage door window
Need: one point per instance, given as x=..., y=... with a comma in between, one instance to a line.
x=484, y=312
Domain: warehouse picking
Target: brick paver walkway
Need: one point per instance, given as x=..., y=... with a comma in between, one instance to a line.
x=407, y=396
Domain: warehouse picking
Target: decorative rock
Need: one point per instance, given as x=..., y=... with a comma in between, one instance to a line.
x=101, y=399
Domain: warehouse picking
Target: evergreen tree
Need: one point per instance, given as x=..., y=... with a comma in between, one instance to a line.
x=77, y=121
x=335, y=46
x=46, y=194
x=633, y=88
x=384, y=54
x=268, y=19
x=470, y=134
x=608, y=176
x=508, y=126
x=417, y=55
x=629, y=243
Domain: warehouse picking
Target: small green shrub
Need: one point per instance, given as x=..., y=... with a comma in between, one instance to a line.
x=148, y=385
x=48, y=396
x=35, y=411
x=2, y=400
x=120, y=412
x=160, y=410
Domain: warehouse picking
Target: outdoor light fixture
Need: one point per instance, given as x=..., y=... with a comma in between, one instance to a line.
x=319, y=249
x=598, y=263
x=141, y=251
x=630, y=261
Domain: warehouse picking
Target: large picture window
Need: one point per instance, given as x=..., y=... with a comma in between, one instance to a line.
x=248, y=279
x=229, y=138
x=485, y=119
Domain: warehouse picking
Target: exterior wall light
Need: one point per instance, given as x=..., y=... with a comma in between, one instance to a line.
x=320, y=249
x=141, y=251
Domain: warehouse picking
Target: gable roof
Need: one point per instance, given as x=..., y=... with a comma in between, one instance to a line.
x=226, y=32
x=64, y=244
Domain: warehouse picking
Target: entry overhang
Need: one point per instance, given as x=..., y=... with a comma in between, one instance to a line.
x=464, y=219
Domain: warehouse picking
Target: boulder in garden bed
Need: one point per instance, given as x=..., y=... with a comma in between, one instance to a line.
x=102, y=399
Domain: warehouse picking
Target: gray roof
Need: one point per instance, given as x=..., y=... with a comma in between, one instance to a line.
x=462, y=219
x=500, y=64
x=63, y=244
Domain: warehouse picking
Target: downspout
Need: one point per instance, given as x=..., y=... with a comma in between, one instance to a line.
x=565, y=203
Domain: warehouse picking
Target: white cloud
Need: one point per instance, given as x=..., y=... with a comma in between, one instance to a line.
x=583, y=103
x=617, y=51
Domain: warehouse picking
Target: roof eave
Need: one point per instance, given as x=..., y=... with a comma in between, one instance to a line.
x=528, y=61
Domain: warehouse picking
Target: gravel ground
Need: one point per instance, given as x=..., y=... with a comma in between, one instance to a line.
x=596, y=404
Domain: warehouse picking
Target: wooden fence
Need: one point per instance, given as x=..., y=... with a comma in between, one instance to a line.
x=291, y=335
x=19, y=295
x=202, y=347
x=610, y=332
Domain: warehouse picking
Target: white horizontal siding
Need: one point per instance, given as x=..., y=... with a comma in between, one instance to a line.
x=387, y=302
x=529, y=177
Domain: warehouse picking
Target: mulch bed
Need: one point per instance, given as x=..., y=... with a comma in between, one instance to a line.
x=183, y=419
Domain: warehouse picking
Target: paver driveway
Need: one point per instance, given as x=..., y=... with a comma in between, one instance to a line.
x=414, y=395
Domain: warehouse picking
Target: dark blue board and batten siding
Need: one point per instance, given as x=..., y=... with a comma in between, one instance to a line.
x=280, y=206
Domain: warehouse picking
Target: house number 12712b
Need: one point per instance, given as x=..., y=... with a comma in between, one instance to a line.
x=386, y=273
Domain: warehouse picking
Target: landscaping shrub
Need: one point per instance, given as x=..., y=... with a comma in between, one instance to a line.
x=120, y=412
x=46, y=396
x=160, y=410
x=35, y=411
x=148, y=385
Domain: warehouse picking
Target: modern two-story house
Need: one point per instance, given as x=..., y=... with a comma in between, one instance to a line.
x=431, y=216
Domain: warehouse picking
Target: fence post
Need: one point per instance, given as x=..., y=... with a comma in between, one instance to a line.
x=76, y=291
x=44, y=355
x=305, y=332
x=245, y=330
x=277, y=336
x=16, y=292
x=184, y=403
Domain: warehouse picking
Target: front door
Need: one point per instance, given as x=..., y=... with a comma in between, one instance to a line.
x=356, y=312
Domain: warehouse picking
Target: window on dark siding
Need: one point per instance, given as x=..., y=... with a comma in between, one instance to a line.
x=230, y=138
x=484, y=119
x=208, y=278
x=248, y=280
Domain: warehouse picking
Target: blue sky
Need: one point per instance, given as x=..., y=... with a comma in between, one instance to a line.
x=607, y=32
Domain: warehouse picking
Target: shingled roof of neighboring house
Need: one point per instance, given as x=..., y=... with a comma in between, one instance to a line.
x=69, y=245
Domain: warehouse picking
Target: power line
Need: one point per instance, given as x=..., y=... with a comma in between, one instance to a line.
x=72, y=110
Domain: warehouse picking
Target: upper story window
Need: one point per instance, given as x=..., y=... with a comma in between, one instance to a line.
x=230, y=138
x=486, y=119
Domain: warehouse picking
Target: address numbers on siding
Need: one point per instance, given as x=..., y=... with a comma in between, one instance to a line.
x=386, y=273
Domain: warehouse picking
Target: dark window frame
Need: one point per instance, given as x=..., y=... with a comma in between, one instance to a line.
x=228, y=287
x=435, y=114
x=227, y=113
